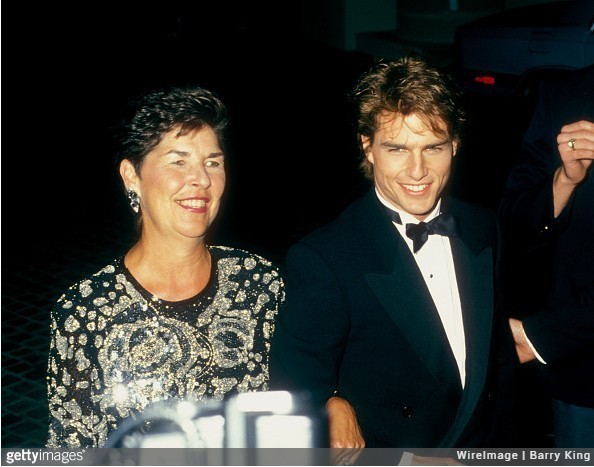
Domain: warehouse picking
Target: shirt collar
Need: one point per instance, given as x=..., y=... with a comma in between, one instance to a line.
x=405, y=216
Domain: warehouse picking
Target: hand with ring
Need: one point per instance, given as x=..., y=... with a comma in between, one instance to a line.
x=576, y=148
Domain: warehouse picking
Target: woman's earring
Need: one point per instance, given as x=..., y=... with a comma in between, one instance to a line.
x=134, y=200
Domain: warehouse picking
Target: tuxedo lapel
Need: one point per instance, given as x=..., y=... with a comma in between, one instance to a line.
x=473, y=258
x=411, y=307
x=400, y=288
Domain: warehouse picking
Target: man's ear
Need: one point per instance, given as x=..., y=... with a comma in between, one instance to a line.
x=129, y=175
x=366, y=146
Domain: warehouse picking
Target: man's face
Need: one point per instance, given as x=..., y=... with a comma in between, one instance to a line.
x=411, y=164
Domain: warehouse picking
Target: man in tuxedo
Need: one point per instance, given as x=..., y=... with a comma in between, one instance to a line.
x=391, y=316
x=549, y=200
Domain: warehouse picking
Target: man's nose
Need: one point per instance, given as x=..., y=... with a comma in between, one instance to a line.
x=417, y=168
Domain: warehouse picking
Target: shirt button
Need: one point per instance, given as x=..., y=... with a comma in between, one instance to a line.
x=407, y=412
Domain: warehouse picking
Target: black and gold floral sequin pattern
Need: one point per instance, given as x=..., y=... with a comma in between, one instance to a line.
x=115, y=348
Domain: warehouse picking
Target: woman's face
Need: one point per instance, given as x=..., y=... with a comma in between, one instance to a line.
x=180, y=184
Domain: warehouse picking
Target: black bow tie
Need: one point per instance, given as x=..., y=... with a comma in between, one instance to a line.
x=444, y=224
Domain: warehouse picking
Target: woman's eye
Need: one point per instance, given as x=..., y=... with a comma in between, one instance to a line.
x=212, y=163
x=179, y=162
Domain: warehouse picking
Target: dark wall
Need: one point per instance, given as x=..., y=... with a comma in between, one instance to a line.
x=293, y=159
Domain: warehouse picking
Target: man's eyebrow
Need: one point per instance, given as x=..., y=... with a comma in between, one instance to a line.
x=439, y=143
x=389, y=144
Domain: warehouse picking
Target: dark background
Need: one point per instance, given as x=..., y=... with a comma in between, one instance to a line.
x=293, y=161
x=292, y=165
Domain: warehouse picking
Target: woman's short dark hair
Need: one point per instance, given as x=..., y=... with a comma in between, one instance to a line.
x=152, y=115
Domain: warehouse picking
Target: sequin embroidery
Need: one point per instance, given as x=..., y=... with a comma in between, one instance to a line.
x=114, y=348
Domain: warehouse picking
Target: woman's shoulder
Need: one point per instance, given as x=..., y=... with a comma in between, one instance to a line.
x=248, y=268
x=247, y=259
x=85, y=288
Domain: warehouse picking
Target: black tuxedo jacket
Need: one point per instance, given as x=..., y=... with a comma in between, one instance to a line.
x=360, y=320
x=563, y=331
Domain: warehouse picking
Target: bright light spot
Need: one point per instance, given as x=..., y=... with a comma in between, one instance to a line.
x=488, y=80
x=120, y=393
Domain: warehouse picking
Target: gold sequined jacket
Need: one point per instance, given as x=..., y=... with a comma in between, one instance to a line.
x=115, y=348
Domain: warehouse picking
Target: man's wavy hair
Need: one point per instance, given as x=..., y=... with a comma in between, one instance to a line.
x=407, y=86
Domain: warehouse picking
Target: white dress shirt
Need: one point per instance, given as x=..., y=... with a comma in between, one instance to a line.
x=436, y=264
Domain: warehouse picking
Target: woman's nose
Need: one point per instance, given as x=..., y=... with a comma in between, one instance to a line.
x=200, y=178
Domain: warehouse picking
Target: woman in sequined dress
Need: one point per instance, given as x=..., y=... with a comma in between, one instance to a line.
x=174, y=316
